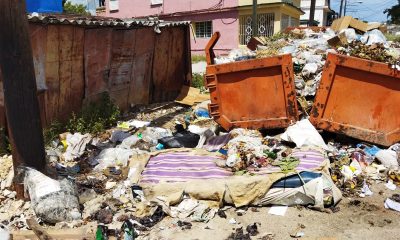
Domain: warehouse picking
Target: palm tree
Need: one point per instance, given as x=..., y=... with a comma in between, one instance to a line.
x=394, y=13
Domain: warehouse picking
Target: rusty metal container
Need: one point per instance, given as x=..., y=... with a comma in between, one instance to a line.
x=359, y=98
x=257, y=93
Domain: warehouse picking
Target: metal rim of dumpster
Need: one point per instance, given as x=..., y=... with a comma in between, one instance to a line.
x=358, y=98
x=256, y=93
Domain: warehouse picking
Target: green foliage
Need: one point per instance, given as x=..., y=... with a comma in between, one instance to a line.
x=50, y=133
x=95, y=117
x=393, y=13
x=75, y=9
x=392, y=37
x=197, y=80
x=198, y=58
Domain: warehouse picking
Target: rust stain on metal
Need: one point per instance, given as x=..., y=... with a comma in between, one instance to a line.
x=257, y=93
x=361, y=102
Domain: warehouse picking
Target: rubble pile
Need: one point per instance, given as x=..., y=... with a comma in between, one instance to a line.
x=160, y=160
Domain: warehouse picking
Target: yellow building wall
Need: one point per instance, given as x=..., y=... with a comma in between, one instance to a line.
x=250, y=2
x=277, y=9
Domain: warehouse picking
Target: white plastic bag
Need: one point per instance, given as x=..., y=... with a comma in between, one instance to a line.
x=76, y=145
x=53, y=201
x=373, y=37
x=111, y=157
x=388, y=158
x=304, y=134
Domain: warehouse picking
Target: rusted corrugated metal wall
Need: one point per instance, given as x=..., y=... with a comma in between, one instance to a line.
x=74, y=64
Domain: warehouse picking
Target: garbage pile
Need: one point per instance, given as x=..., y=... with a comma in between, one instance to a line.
x=309, y=49
x=96, y=185
x=174, y=161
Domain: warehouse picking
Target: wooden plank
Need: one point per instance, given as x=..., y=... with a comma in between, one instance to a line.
x=64, y=234
x=38, y=36
x=3, y=121
x=52, y=73
x=176, y=67
x=139, y=92
x=66, y=36
x=122, y=52
x=160, y=63
x=97, y=57
x=22, y=108
x=77, y=89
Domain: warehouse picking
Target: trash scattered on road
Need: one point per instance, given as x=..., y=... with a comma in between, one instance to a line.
x=278, y=210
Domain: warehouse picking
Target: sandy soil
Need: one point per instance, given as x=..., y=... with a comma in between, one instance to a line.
x=367, y=220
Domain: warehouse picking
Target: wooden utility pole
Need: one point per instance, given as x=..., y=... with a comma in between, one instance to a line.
x=20, y=99
x=312, y=13
x=341, y=8
x=254, y=19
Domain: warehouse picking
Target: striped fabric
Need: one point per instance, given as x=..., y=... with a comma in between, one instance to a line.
x=181, y=167
x=309, y=160
x=184, y=166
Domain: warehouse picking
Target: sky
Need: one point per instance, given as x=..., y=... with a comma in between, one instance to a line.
x=368, y=10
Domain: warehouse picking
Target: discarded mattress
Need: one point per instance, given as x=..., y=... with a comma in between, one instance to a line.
x=169, y=175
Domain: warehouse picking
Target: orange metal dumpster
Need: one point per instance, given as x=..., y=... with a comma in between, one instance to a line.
x=257, y=93
x=359, y=98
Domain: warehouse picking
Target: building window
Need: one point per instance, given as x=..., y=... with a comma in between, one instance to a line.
x=203, y=29
x=156, y=2
x=102, y=3
x=265, y=26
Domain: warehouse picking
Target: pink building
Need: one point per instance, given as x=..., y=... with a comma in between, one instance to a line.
x=230, y=17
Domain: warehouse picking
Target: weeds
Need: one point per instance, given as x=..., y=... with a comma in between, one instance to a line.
x=197, y=80
x=392, y=37
x=94, y=118
x=198, y=58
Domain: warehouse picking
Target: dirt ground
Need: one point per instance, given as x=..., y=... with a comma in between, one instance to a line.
x=366, y=219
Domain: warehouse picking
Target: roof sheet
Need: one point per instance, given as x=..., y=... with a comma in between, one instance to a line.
x=93, y=21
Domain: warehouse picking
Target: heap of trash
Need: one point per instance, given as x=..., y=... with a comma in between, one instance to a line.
x=162, y=159
x=309, y=49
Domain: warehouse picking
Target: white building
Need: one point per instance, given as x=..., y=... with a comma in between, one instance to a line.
x=322, y=10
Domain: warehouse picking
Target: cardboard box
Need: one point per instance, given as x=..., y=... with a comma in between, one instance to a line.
x=349, y=22
x=339, y=39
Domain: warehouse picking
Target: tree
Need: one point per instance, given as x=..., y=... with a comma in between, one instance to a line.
x=75, y=8
x=394, y=13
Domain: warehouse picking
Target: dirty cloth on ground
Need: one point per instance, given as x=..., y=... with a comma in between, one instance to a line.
x=310, y=159
x=182, y=166
x=237, y=190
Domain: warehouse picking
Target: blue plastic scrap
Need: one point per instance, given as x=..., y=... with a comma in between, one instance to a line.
x=44, y=6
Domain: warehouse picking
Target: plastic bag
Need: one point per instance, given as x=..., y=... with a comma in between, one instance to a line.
x=153, y=134
x=111, y=157
x=304, y=134
x=76, y=145
x=128, y=142
x=180, y=140
x=350, y=34
x=53, y=201
x=388, y=158
x=309, y=69
x=373, y=37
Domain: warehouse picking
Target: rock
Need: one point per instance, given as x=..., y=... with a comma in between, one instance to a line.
x=124, y=199
x=110, y=185
x=232, y=221
x=104, y=216
x=92, y=206
x=9, y=194
x=87, y=195
x=8, y=181
x=27, y=205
